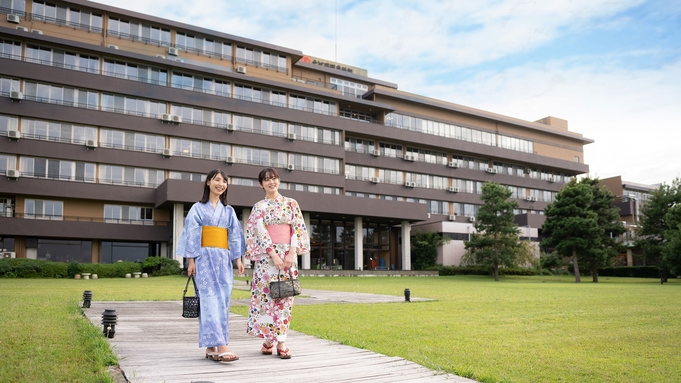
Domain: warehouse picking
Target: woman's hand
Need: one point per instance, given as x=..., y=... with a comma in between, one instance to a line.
x=239, y=266
x=191, y=269
x=290, y=258
x=278, y=263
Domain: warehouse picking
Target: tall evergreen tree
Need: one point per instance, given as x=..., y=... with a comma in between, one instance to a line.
x=608, y=219
x=654, y=226
x=424, y=249
x=496, y=241
x=571, y=227
x=671, y=252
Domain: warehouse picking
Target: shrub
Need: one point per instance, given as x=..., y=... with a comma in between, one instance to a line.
x=73, y=269
x=158, y=266
x=630, y=271
x=480, y=270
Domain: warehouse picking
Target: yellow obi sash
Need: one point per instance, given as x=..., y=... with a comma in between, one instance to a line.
x=280, y=233
x=213, y=236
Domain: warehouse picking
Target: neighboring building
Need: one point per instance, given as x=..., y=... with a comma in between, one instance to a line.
x=630, y=198
x=110, y=119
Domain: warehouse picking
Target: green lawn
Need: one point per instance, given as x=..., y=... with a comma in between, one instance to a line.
x=521, y=329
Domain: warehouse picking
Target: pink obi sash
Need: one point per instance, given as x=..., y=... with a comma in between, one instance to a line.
x=280, y=233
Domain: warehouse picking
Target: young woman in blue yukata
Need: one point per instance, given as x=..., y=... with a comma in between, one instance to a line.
x=212, y=240
x=275, y=235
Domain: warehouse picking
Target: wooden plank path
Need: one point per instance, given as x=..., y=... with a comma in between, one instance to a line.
x=155, y=344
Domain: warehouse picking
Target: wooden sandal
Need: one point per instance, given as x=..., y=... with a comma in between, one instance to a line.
x=228, y=356
x=267, y=350
x=284, y=354
x=212, y=355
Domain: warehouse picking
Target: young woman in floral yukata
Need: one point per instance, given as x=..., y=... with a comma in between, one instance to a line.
x=275, y=235
x=212, y=239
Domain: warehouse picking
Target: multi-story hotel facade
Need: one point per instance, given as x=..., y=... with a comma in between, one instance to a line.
x=109, y=119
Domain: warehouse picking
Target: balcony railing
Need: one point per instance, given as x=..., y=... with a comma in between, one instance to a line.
x=67, y=218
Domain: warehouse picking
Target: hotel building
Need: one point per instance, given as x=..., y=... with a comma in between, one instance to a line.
x=109, y=119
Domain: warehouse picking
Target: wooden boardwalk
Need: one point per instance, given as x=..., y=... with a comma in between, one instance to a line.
x=155, y=344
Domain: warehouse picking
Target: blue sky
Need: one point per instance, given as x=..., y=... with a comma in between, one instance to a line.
x=612, y=68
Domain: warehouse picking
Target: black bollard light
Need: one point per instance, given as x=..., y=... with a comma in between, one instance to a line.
x=87, y=299
x=109, y=320
x=407, y=295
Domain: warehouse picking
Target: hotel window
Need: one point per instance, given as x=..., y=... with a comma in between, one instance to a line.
x=8, y=123
x=133, y=30
x=357, y=115
x=10, y=49
x=7, y=162
x=315, y=163
x=262, y=157
x=130, y=176
x=17, y=7
x=577, y=159
x=140, y=142
x=199, y=116
x=260, y=126
x=57, y=169
x=60, y=95
x=135, y=72
x=313, y=105
x=201, y=84
x=62, y=15
x=429, y=156
x=438, y=207
x=43, y=209
x=62, y=59
x=361, y=173
x=358, y=145
x=56, y=131
x=394, y=177
x=8, y=84
x=129, y=105
x=186, y=176
x=390, y=150
x=316, y=134
x=349, y=88
x=128, y=214
x=261, y=95
x=261, y=59
x=199, y=149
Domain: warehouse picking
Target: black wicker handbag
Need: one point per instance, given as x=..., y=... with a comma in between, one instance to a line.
x=284, y=289
x=190, y=305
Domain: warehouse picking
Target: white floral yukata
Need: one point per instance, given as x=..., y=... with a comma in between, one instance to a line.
x=269, y=318
x=214, y=275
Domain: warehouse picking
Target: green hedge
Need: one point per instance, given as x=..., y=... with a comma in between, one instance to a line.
x=32, y=268
x=631, y=271
x=477, y=270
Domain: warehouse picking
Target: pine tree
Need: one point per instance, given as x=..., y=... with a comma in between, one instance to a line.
x=571, y=226
x=658, y=226
x=608, y=219
x=496, y=241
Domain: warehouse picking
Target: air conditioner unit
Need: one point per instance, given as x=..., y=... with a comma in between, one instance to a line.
x=13, y=173
x=528, y=198
x=410, y=184
x=13, y=134
x=113, y=46
x=176, y=119
x=230, y=160
x=15, y=95
x=9, y=254
x=375, y=180
x=409, y=157
x=290, y=167
x=13, y=18
x=167, y=153
x=453, y=164
x=165, y=117
x=91, y=144
x=552, y=179
x=348, y=177
x=376, y=153
x=173, y=51
x=452, y=217
x=20, y=28
x=230, y=127
x=533, y=199
x=491, y=170
x=291, y=137
x=38, y=31
x=241, y=69
x=453, y=189
x=471, y=219
x=160, y=56
x=528, y=171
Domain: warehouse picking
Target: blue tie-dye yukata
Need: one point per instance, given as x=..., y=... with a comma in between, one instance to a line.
x=214, y=274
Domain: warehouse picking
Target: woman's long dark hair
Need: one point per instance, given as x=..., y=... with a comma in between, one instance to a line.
x=206, y=189
x=265, y=173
